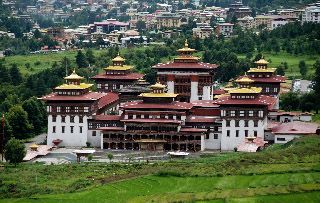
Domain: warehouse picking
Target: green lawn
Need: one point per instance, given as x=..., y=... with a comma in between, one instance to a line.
x=38, y=62
x=187, y=189
x=287, y=172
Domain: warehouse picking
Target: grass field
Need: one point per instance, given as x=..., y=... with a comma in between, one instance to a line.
x=282, y=173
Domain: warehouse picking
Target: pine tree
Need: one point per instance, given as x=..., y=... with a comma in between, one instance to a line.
x=303, y=68
x=81, y=60
x=15, y=75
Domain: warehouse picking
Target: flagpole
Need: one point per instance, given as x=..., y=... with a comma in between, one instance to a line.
x=2, y=147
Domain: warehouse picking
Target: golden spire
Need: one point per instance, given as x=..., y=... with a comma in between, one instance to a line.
x=118, y=58
x=73, y=76
x=186, y=43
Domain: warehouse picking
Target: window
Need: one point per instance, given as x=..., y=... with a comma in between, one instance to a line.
x=215, y=136
x=71, y=129
x=233, y=113
x=130, y=116
x=281, y=139
x=228, y=123
x=68, y=109
x=54, y=118
x=250, y=113
x=53, y=129
x=63, y=119
x=241, y=113
x=162, y=116
x=71, y=119
x=94, y=133
x=63, y=128
x=246, y=123
x=237, y=123
x=146, y=116
x=255, y=133
x=138, y=116
x=237, y=133
x=86, y=109
x=255, y=123
x=246, y=133
x=228, y=133
x=178, y=117
x=275, y=89
x=80, y=119
x=170, y=116
x=80, y=129
x=267, y=89
x=58, y=109
x=260, y=113
x=207, y=136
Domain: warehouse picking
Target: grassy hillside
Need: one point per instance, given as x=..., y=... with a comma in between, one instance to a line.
x=284, y=172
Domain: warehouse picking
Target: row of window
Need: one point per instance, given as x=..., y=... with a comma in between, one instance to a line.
x=162, y=116
x=242, y=113
x=63, y=129
x=246, y=123
x=67, y=109
x=242, y=97
x=268, y=89
x=63, y=119
x=246, y=133
x=73, y=93
x=106, y=86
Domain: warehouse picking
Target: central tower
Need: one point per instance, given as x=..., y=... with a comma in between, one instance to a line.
x=187, y=76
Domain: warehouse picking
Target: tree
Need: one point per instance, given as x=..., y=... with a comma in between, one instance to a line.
x=90, y=56
x=141, y=25
x=280, y=70
x=18, y=120
x=316, y=83
x=37, y=34
x=36, y=113
x=15, y=74
x=303, y=68
x=14, y=151
x=81, y=60
x=110, y=156
x=290, y=101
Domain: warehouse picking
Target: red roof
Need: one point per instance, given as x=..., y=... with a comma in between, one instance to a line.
x=107, y=117
x=145, y=120
x=295, y=128
x=111, y=97
x=218, y=92
x=180, y=65
x=129, y=76
x=173, y=105
x=111, y=128
x=272, y=79
x=261, y=100
x=193, y=130
x=90, y=96
x=205, y=103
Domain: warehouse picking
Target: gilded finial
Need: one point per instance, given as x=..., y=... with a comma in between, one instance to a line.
x=158, y=79
x=118, y=53
x=186, y=43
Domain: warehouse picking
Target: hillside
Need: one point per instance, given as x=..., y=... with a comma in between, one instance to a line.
x=281, y=172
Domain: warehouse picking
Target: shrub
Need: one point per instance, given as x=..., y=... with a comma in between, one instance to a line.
x=15, y=151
